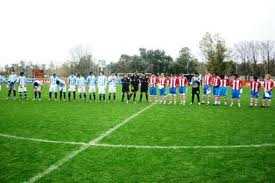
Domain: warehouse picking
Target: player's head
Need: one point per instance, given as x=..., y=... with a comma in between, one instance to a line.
x=78, y=75
x=222, y=76
x=267, y=76
x=255, y=78
x=235, y=76
x=91, y=73
x=54, y=74
x=21, y=73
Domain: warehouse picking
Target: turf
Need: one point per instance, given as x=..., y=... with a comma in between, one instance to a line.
x=167, y=125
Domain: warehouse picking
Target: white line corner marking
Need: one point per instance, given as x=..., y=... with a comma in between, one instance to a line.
x=93, y=142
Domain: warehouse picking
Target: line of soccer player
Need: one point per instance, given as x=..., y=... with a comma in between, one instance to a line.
x=163, y=89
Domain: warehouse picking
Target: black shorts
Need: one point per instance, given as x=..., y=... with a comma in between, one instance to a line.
x=125, y=90
x=144, y=89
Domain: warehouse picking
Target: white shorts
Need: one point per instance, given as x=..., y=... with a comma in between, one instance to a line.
x=92, y=89
x=112, y=89
x=53, y=88
x=101, y=90
x=81, y=89
x=0, y=87
x=72, y=88
x=22, y=89
x=63, y=89
x=38, y=88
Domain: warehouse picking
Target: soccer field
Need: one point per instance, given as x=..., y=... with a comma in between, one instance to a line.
x=78, y=141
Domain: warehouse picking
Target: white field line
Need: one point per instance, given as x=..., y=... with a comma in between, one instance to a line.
x=72, y=154
x=40, y=140
x=184, y=147
x=139, y=146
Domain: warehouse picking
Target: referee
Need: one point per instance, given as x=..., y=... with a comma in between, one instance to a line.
x=195, y=83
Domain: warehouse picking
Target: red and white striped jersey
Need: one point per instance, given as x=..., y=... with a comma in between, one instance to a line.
x=236, y=84
x=255, y=85
x=207, y=79
x=167, y=81
x=182, y=81
x=268, y=85
x=216, y=81
x=224, y=82
x=162, y=81
x=173, y=82
x=153, y=81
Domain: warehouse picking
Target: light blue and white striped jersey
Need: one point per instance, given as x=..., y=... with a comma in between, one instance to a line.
x=91, y=80
x=53, y=80
x=72, y=80
x=62, y=83
x=102, y=80
x=22, y=80
x=2, y=79
x=112, y=80
x=12, y=78
x=81, y=81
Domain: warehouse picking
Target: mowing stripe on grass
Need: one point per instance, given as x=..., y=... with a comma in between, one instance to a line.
x=184, y=147
x=40, y=140
x=72, y=154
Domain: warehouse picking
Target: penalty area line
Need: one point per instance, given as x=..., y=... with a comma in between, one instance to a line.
x=84, y=147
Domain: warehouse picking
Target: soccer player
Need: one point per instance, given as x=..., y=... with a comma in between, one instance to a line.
x=53, y=86
x=236, y=85
x=207, y=80
x=22, y=90
x=62, y=89
x=37, y=87
x=2, y=80
x=12, y=79
x=268, y=85
x=102, y=84
x=195, y=83
x=223, y=88
x=134, y=86
x=112, y=82
x=144, y=82
x=72, y=86
x=172, y=89
x=162, y=89
x=125, y=81
x=91, y=80
x=183, y=83
x=255, y=86
x=153, y=88
x=216, y=89
x=81, y=86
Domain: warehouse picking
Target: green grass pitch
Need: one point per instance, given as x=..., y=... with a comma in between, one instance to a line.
x=133, y=152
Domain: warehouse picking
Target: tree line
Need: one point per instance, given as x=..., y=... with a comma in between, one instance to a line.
x=245, y=58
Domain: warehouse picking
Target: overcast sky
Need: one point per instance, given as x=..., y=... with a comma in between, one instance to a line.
x=44, y=31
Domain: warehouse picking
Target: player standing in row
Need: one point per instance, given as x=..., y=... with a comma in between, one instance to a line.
x=255, y=86
x=112, y=82
x=134, y=86
x=101, y=84
x=37, y=88
x=81, y=86
x=22, y=89
x=183, y=83
x=268, y=85
x=153, y=88
x=162, y=89
x=144, y=83
x=53, y=86
x=2, y=80
x=216, y=89
x=91, y=81
x=236, y=85
x=125, y=82
x=172, y=90
x=62, y=89
x=223, y=88
x=72, y=86
x=11, y=85
x=195, y=84
x=207, y=79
